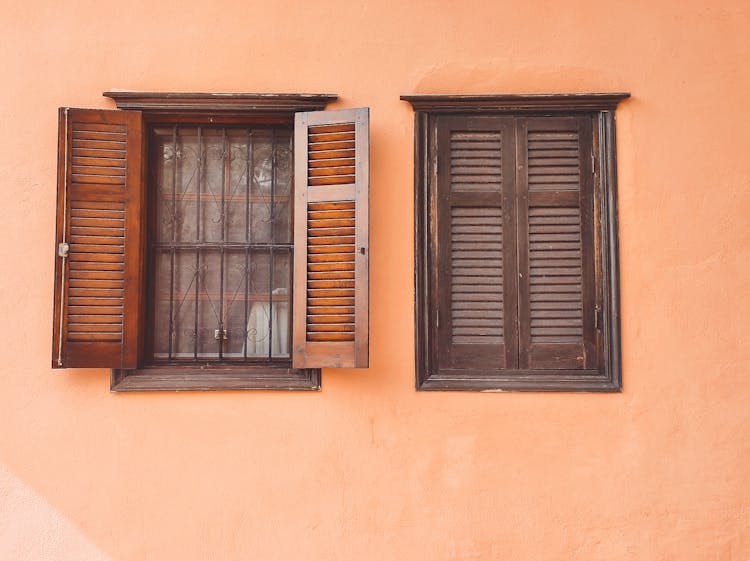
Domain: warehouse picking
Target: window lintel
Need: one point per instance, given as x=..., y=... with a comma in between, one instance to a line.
x=514, y=103
x=217, y=102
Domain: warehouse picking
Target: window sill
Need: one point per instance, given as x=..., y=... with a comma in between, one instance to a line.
x=521, y=381
x=159, y=378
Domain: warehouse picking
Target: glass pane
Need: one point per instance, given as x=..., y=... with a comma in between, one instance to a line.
x=238, y=196
x=212, y=185
x=186, y=273
x=259, y=277
x=281, y=228
x=282, y=189
x=236, y=306
x=161, y=301
x=280, y=305
x=209, y=302
x=283, y=164
x=175, y=156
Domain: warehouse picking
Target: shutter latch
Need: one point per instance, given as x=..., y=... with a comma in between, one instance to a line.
x=62, y=249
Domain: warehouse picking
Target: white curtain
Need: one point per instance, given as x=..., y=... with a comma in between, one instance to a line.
x=259, y=327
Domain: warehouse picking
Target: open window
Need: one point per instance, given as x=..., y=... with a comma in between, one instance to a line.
x=206, y=241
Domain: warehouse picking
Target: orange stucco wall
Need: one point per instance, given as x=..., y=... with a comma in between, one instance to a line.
x=369, y=469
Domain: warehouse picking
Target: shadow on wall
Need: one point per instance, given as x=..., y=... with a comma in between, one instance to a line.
x=31, y=528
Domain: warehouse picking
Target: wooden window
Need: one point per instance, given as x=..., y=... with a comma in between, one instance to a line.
x=516, y=223
x=176, y=237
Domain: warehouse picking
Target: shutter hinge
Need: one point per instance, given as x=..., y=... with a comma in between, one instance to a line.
x=598, y=319
x=62, y=249
x=593, y=164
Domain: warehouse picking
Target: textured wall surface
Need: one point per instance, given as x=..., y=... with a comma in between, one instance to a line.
x=369, y=469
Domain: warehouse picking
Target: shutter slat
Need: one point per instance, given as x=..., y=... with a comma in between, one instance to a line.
x=331, y=239
x=96, y=301
x=333, y=266
x=98, y=286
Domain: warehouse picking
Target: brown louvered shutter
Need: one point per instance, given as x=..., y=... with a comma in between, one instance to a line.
x=556, y=243
x=99, y=255
x=476, y=278
x=331, y=240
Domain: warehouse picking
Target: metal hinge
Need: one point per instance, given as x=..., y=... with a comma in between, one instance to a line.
x=593, y=164
x=598, y=319
x=62, y=249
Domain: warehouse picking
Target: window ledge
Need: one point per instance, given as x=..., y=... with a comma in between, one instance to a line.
x=548, y=382
x=163, y=378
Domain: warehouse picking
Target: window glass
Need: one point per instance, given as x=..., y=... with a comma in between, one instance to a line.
x=220, y=243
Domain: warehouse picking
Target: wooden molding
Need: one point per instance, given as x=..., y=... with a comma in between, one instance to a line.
x=514, y=103
x=276, y=103
x=522, y=381
x=181, y=378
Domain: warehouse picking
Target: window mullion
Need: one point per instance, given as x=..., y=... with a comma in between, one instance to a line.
x=273, y=240
x=225, y=180
x=248, y=214
x=172, y=256
x=522, y=241
x=198, y=239
x=513, y=192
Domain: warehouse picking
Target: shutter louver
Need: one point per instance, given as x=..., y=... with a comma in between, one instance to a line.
x=556, y=251
x=330, y=271
x=477, y=276
x=331, y=239
x=476, y=242
x=97, y=269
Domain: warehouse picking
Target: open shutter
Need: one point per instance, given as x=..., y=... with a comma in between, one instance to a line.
x=99, y=235
x=331, y=239
x=556, y=243
x=476, y=276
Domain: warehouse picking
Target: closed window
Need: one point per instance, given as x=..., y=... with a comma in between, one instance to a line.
x=212, y=241
x=516, y=242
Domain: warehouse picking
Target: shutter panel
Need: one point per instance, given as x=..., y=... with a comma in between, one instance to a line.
x=556, y=248
x=476, y=276
x=99, y=239
x=331, y=239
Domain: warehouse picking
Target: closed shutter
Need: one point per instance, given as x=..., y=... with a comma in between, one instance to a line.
x=331, y=239
x=556, y=245
x=99, y=239
x=476, y=243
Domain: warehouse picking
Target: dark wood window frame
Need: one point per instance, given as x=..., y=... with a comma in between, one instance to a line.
x=214, y=109
x=599, y=108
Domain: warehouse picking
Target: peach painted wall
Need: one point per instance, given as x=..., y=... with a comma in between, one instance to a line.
x=368, y=469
